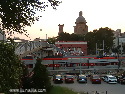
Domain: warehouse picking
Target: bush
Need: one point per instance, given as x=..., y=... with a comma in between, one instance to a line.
x=10, y=68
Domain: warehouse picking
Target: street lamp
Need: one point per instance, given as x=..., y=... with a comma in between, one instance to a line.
x=119, y=61
x=46, y=37
x=80, y=66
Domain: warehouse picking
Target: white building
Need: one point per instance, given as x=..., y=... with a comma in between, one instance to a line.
x=1, y=36
x=119, y=38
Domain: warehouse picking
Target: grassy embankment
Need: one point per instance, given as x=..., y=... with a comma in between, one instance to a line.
x=62, y=90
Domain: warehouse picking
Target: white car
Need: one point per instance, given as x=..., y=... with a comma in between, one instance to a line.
x=111, y=79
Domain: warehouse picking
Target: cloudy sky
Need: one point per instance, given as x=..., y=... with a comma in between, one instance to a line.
x=98, y=13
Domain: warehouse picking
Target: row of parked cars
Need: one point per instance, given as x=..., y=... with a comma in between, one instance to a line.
x=113, y=79
x=69, y=78
x=93, y=78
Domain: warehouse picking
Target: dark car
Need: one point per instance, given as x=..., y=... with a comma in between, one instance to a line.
x=118, y=78
x=69, y=79
x=103, y=78
x=58, y=79
x=95, y=79
x=122, y=80
x=82, y=79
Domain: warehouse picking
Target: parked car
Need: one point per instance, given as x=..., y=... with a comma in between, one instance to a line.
x=69, y=79
x=95, y=79
x=103, y=77
x=82, y=78
x=122, y=80
x=118, y=78
x=106, y=77
x=58, y=79
x=111, y=79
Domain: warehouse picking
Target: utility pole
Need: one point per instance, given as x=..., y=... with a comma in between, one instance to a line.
x=46, y=37
x=88, y=63
x=80, y=65
x=118, y=55
x=121, y=48
x=103, y=47
x=53, y=65
x=96, y=49
x=121, y=54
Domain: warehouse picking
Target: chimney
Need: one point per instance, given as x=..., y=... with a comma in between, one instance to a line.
x=60, y=28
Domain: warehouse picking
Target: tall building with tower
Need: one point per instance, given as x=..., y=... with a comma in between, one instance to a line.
x=81, y=27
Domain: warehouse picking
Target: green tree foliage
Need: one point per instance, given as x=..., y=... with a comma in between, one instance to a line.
x=40, y=77
x=51, y=40
x=16, y=14
x=97, y=36
x=90, y=38
x=10, y=68
x=69, y=37
x=63, y=36
x=107, y=35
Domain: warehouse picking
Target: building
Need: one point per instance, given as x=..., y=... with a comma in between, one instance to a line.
x=118, y=38
x=81, y=27
x=60, y=28
x=73, y=47
x=2, y=35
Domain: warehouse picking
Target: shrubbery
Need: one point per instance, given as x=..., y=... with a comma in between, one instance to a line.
x=10, y=68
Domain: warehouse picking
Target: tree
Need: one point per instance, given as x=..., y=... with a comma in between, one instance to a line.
x=10, y=68
x=17, y=14
x=97, y=36
x=107, y=35
x=40, y=77
x=69, y=37
x=51, y=40
x=90, y=38
x=63, y=36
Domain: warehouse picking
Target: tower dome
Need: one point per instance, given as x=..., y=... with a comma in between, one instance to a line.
x=80, y=18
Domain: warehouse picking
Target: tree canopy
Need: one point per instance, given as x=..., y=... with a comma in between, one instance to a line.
x=16, y=14
x=97, y=36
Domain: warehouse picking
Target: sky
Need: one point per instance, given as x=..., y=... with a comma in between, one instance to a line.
x=97, y=13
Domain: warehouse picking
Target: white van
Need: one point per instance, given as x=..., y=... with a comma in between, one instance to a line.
x=110, y=79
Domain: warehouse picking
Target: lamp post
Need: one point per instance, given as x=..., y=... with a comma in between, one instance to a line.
x=53, y=65
x=46, y=37
x=80, y=65
x=103, y=47
x=118, y=55
x=96, y=49
x=88, y=63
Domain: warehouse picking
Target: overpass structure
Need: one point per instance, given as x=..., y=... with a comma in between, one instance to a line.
x=25, y=48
